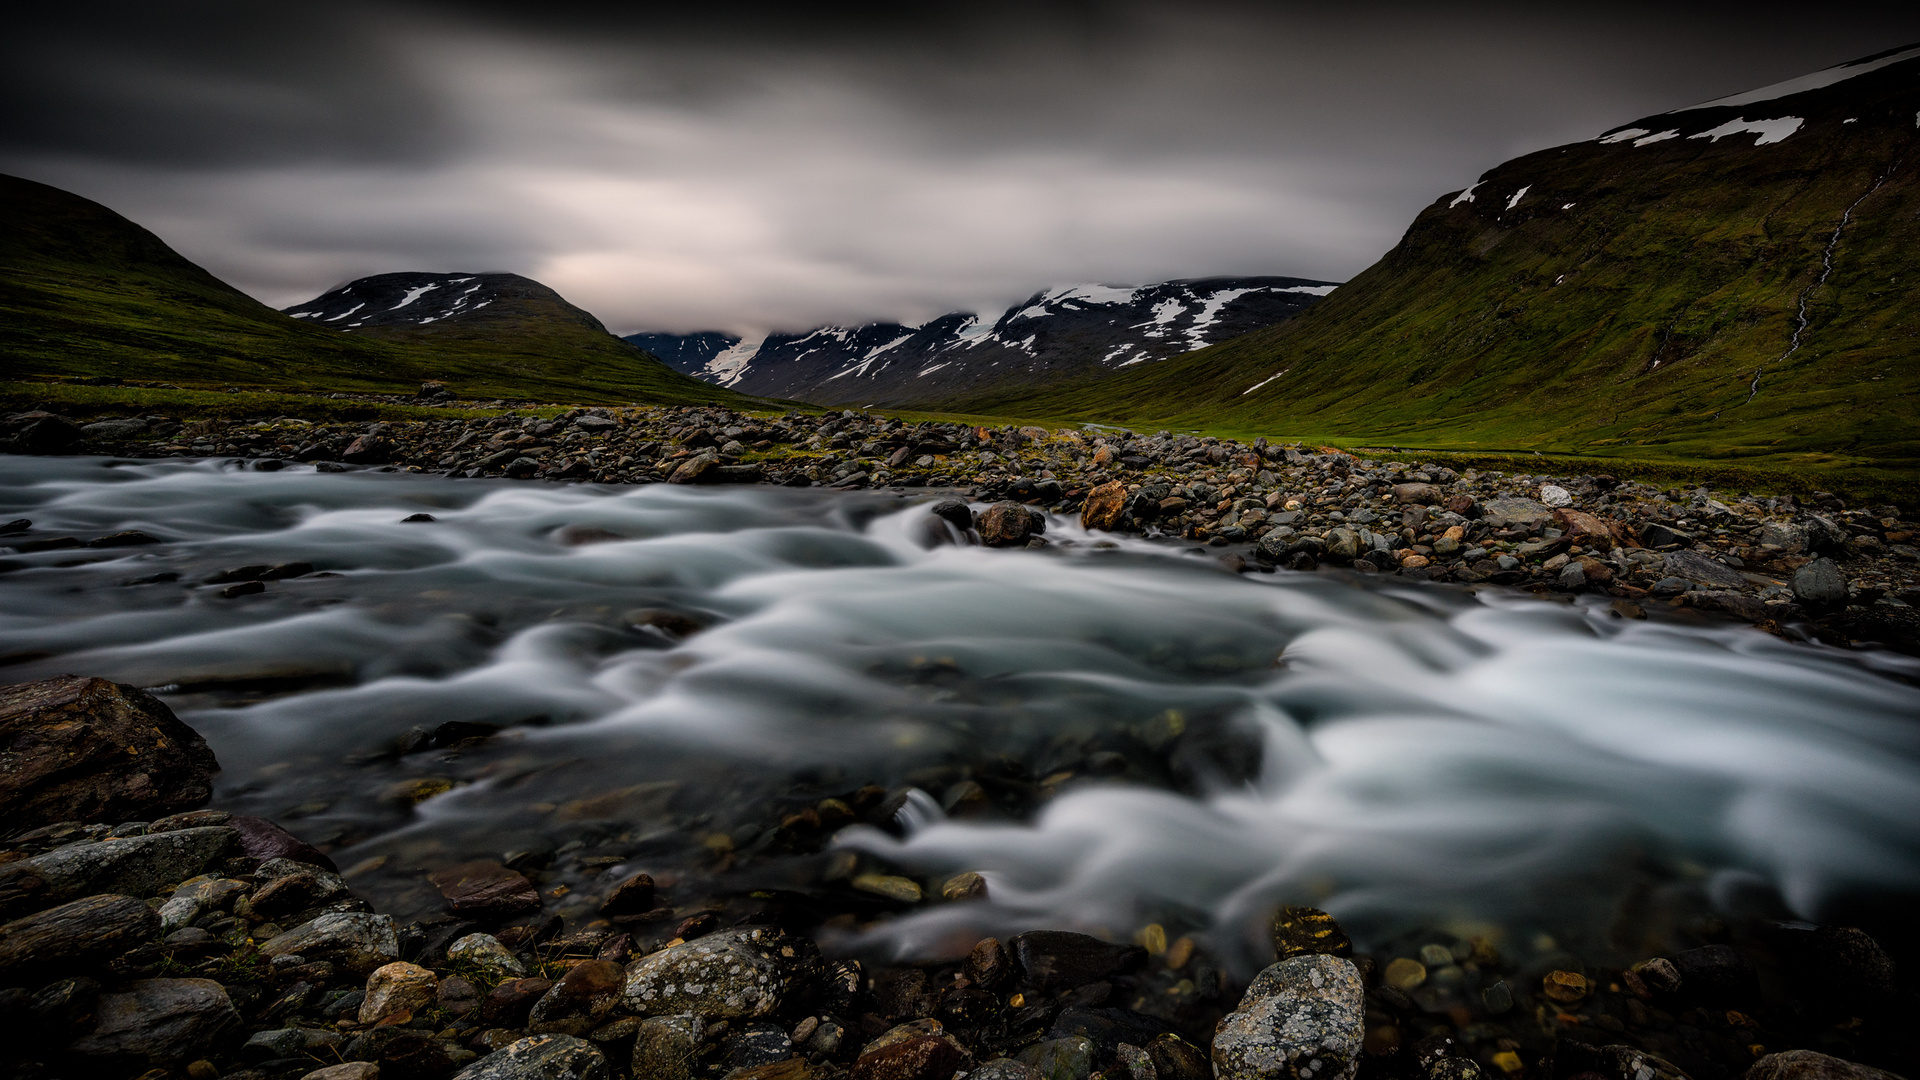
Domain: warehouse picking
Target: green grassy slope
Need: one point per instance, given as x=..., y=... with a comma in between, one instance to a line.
x=85, y=292
x=1628, y=323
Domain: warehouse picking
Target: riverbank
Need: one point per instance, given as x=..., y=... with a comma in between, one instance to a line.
x=195, y=942
x=1800, y=568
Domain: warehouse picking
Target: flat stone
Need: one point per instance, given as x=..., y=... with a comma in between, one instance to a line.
x=1508, y=513
x=134, y=865
x=1702, y=570
x=541, y=1057
x=356, y=941
x=80, y=749
x=262, y=839
x=1300, y=1018
x=727, y=974
x=1060, y=959
x=74, y=936
x=485, y=890
x=161, y=1020
x=1810, y=1065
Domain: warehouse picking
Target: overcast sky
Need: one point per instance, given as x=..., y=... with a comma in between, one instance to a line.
x=780, y=166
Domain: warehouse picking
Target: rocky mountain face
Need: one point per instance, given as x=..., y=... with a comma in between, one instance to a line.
x=1732, y=278
x=1085, y=330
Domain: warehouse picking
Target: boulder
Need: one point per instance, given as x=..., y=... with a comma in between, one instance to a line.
x=1059, y=959
x=1302, y=1017
x=541, y=1057
x=1103, y=506
x=162, y=1021
x=356, y=941
x=1515, y=513
x=485, y=890
x=1585, y=529
x=1008, y=524
x=396, y=991
x=1819, y=585
x=1810, y=1065
x=74, y=936
x=727, y=974
x=81, y=749
x=697, y=469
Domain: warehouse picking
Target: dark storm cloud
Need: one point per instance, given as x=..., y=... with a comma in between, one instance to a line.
x=757, y=166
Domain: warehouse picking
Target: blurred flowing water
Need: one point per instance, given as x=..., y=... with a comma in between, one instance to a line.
x=1401, y=754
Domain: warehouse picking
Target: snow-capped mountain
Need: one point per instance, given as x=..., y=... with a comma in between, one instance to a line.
x=1072, y=330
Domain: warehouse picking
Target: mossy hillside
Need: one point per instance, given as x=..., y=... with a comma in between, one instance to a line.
x=1629, y=323
x=86, y=292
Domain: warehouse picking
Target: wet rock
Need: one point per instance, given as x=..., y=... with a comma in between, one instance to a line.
x=1566, y=987
x=80, y=749
x=396, y=991
x=368, y=450
x=1739, y=605
x=1103, y=506
x=1660, y=974
x=38, y=432
x=1303, y=931
x=510, y=1003
x=1059, y=959
x=74, y=935
x=581, y=1000
x=954, y=512
x=891, y=886
x=127, y=538
x=162, y=1021
x=484, y=952
x=267, y=840
x=664, y=1047
x=293, y=886
x=358, y=942
x=1070, y=1058
x=926, y=1057
x=1108, y=1029
x=133, y=866
x=751, y=1045
x=697, y=469
x=1585, y=529
x=1300, y=1018
x=1810, y=1065
x=457, y=996
x=966, y=885
x=727, y=974
x=1343, y=545
x=485, y=890
x=1007, y=524
x=541, y=1057
x=1701, y=570
x=1715, y=975
x=632, y=896
x=1174, y=1058
x=1819, y=585
x=990, y=966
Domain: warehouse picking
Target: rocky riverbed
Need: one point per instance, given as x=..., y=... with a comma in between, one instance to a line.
x=146, y=936
x=1794, y=568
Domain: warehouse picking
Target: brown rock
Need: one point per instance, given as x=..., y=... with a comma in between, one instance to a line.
x=80, y=749
x=634, y=896
x=697, y=469
x=1007, y=524
x=580, y=1001
x=1566, y=987
x=1597, y=572
x=1424, y=494
x=1103, y=506
x=989, y=964
x=396, y=991
x=456, y=996
x=368, y=450
x=74, y=935
x=1585, y=529
x=929, y=1057
x=485, y=889
x=512, y=1000
x=1061, y=959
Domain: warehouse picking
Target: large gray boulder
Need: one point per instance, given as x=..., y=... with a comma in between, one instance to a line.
x=75, y=935
x=1301, y=1019
x=132, y=866
x=731, y=973
x=356, y=941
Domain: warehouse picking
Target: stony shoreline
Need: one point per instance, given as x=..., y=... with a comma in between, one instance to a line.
x=155, y=938
x=1821, y=569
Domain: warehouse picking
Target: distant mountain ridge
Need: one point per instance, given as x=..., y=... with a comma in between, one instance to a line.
x=1053, y=334
x=1738, y=279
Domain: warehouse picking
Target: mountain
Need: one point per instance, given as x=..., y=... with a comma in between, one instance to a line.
x=1076, y=330
x=1736, y=279
x=86, y=292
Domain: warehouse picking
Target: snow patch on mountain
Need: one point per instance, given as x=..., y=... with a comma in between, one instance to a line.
x=1770, y=131
x=1815, y=81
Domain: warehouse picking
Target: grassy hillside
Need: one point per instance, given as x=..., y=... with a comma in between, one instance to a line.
x=1620, y=308
x=85, y=292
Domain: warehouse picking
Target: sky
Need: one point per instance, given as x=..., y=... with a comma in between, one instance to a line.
x=753, y=167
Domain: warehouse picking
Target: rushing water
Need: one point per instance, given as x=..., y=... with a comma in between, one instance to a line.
x=1400, y=754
